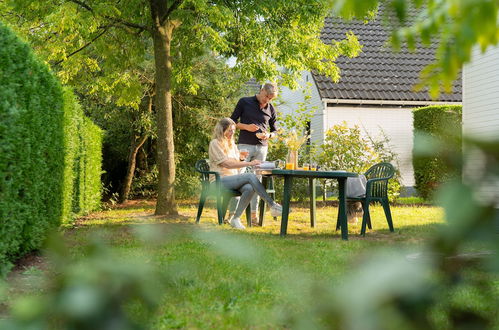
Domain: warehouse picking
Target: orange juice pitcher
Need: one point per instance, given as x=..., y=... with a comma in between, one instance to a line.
x=292, y=160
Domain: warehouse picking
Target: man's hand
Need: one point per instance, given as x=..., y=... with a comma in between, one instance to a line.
x=251, y=127
x=263, y=136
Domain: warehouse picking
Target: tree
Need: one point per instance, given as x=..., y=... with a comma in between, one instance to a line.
x=103, y=43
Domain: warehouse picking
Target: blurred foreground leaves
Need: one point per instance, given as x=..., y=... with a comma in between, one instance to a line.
x=100, y=290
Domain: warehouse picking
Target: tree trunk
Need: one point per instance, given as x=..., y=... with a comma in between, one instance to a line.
x=162, y=32
x=135, y=145
x=132, y=157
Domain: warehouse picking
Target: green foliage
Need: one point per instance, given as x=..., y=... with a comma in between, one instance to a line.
x=346, y=148
x=39, y=142
x=442, y=123
x=31, y=149
x=105, y=46
x=88, y=163
x=101, y=290
x=196, y=113
x=83, y=160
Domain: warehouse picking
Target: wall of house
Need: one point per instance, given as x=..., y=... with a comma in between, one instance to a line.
x=481, y=109
x=395, y=123
x=290, y=100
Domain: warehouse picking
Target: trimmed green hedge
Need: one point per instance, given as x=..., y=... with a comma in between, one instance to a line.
x=40, y=143
x=87, y=196
x=443, y=123
x=83, y=145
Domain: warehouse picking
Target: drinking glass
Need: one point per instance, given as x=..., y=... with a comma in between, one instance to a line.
x=243, y=153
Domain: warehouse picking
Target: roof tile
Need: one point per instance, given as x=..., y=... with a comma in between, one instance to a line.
x=377, y=72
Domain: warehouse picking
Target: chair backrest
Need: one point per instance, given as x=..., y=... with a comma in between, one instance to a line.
x=383, y=172
x=202, y=167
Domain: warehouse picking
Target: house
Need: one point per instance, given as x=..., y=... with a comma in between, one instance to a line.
x=481, y=112
x=375, y=91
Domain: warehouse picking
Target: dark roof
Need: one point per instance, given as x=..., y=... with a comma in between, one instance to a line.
x=377, y=73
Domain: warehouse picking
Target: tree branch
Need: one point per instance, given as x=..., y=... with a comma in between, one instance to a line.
x=112, y=19
x=82, y=4
x=83, y=47
x=125, y=23
x=170, y=10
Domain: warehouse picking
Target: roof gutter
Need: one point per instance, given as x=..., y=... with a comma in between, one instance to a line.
x=388, y=102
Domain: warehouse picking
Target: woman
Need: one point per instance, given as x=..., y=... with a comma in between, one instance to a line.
x=226, y=159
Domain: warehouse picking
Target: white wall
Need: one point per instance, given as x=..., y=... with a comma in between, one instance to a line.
x=291, y=98
x=481, y=108
x=396, y=123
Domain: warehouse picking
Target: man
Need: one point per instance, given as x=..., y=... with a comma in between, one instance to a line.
x=255, y=117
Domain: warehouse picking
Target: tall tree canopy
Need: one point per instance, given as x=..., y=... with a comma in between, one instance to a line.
x=107, y=45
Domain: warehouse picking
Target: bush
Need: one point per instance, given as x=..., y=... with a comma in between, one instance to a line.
x=83, y=159
x=31, y=149
x=346, y=148
x=443, y=123
x=38, y=144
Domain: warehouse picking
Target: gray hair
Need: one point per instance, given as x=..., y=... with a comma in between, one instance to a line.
x=270, y=88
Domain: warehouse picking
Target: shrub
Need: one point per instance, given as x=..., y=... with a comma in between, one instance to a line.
x=83, y=160
x=346, y=148
x=31, y=149
x=442, y=123
x=38, y=148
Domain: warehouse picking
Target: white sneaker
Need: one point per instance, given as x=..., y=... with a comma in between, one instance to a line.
x=276, y=210
x=236, y=223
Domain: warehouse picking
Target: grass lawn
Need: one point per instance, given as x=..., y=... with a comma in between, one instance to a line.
x=218, y=277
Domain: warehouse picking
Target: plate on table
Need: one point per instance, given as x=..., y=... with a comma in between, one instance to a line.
x=266, y=166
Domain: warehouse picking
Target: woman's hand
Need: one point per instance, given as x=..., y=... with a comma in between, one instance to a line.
x=255, y=162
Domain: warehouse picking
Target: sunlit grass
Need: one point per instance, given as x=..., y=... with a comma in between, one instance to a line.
x=220, y=277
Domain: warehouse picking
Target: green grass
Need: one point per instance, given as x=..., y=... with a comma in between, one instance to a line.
x=222, y=278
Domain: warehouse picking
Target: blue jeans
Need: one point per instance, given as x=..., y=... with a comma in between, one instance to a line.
x=249, y=186
x=255, y=152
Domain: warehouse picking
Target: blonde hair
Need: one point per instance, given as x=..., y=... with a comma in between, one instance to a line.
x=219, y=133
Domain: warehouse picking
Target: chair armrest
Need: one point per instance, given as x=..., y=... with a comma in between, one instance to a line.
x=378, y=179
x=216, y=174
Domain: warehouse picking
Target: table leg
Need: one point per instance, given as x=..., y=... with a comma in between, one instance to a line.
x=288, y=182
x=311, y=187
x=342, y=208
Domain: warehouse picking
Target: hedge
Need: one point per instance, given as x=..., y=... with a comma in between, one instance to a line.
x=443, y=123
x=38, y=151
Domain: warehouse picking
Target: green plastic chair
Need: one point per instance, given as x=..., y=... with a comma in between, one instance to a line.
x=376, y=191
x=216, y=189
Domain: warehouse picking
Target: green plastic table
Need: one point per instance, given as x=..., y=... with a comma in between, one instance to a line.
x=289, y=175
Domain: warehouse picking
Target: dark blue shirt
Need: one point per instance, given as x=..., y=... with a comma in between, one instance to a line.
x=248, y=111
